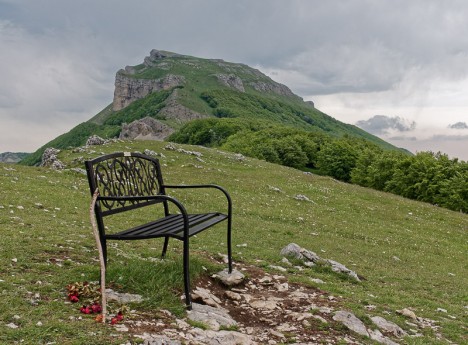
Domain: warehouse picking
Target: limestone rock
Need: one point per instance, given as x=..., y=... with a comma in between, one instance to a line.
x=175, y=110
x=206, y=314
x=272, y=86
x=128, y=89
x=388, y=326
x=380, y=338
x=49, y=159
x=408, y=313
x=264, y=304
x=351, y=321
x=230, y=279
x=340, y=268
x=300, y=253
x=222, y=337
x=204, y=295
x=231, y=81
x=123, y=298
x=147, y=128
x=95, y=140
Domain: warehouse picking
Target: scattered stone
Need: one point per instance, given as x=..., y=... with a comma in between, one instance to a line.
x=408, y=313
x=278, y=268
x=230, y=279
x=282, y=287
x=297, y=252
x=233, y=295
x=317, y=281
x=205, y=296
x=442, y=310
x=206, y=314
x=396, y=258
x=379, y=337
x=340, y=268
x=388, y=326
x=275, y=189
x=12, y=325
x=120, y=327
x=158, y=340
x=351, y=321
x=222, y=337
x=286, y=327
x=264, y=304
x=301, y=197
x=318, y=317
x=240, y=157
x=79, y=170
x=309, y=257
x=123, y=298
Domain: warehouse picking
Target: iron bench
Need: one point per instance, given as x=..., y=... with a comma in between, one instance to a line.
x=126, y=181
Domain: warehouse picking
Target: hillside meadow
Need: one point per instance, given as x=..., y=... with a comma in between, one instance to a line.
x=410, y=254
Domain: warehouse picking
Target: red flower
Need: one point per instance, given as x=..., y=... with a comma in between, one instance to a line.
x=114, y=321
x=96, y=308
x=119, y=316
x=73, y=297
x=86, y=309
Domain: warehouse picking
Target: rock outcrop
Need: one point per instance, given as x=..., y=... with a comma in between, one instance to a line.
x=147, y=128
x=231, y=81
x=49, y=159
x=128, y=89
x=272, y=86
x=310, y=258
x=175, y=110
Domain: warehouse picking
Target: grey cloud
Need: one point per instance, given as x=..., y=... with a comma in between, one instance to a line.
x=403, y=138
x=382, y=124
x=459, y=125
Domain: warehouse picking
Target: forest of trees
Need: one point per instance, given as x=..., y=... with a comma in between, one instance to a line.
x=427, y=176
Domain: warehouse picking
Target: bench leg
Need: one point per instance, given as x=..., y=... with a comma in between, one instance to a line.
x=166, y=242
x=188, y=298
x=229, y=246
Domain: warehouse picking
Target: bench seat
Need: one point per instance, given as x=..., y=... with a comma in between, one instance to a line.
x=170, y=226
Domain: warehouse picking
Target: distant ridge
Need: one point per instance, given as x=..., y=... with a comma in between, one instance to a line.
x=12, y=157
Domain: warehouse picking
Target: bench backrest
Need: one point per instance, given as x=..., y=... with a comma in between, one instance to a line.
x=124, y=174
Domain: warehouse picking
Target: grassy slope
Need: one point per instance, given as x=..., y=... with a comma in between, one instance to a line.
x=361, y=228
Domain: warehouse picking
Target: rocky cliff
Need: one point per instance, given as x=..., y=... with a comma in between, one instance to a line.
x=128, y=89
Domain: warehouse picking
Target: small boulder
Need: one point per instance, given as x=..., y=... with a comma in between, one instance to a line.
x=230, y=279
x=95, y=140
x=351, y=321
x=388, y=326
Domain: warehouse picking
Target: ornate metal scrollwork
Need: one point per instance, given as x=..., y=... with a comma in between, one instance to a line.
x=126, y=176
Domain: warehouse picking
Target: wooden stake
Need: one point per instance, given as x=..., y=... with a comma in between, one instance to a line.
x=101, y=256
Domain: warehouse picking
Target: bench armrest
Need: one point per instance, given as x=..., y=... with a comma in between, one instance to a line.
x=224, y=191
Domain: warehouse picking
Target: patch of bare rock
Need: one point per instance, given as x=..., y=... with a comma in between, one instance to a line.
x=250, y=306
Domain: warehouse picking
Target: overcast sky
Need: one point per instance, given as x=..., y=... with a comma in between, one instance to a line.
x=397, y=68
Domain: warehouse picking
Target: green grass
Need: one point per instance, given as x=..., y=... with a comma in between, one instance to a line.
x=411, y=254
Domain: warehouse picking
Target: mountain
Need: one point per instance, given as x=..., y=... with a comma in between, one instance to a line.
x=12, y=157
x=169, y=90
